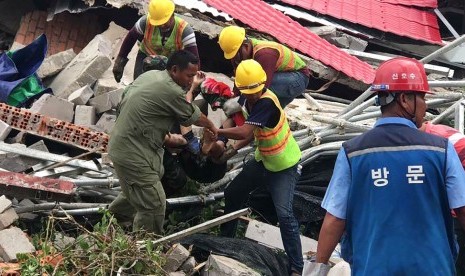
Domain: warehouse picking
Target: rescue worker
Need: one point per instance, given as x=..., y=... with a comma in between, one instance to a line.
x=287, y=74
x=455, y=137
x=458, y=140
x=160, y=32
x=154, y=102
x=276, y=158
x=393, y=187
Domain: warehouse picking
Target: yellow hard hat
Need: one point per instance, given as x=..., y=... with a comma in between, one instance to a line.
x=160, y=11
x=230, y=40
x=250, y=77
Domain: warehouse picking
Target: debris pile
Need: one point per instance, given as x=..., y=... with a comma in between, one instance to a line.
x=54, y=162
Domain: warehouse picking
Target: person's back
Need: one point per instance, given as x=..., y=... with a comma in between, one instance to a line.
x=395, y=225
x=454, y=136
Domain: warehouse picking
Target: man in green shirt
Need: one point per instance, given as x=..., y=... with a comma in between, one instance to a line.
x=154, y=102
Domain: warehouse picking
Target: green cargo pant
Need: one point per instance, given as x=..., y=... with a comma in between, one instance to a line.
x=142, y=198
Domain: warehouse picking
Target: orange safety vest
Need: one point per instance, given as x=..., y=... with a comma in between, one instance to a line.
x=276, y=147
x=151, y=44
x=287, y=61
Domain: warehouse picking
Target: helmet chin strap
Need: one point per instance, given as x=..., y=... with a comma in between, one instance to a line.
x=412, y=116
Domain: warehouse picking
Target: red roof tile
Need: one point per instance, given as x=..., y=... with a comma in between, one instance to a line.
x=388, y=17
x=261, y=16
x=418, y=3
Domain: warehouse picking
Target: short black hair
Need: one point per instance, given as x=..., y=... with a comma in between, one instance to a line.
x=181, y=58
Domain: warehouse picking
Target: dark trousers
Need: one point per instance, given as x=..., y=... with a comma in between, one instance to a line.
x=281, y=186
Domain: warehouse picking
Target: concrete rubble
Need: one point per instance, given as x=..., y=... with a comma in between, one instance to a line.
x=14, y=241
x=221, y=265
x=53, y=64
x=64, y=136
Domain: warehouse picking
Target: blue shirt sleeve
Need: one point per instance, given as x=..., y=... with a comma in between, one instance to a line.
x=262, y=114
x=335, y=200
x=455, y=179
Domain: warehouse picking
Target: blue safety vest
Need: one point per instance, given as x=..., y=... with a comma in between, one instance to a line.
x=398, y=218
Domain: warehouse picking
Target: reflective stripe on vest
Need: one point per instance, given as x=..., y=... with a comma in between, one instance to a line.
x=151, y=45
x=276, y=147
x=287, y=61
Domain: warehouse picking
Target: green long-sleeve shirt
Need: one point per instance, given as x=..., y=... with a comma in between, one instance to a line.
x=150, y=107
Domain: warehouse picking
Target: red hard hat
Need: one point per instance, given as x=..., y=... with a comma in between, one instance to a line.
x=401, y=74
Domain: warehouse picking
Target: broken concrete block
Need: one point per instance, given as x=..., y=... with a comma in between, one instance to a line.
x=84, y=69
x=7, y=218
x=5, y=203
x=175, y=257
x=4, y=130
x=220, y=265
x=188, y=265
x=53, y=64
x=270, y=236
x=349, y=42
x=55, y=107
x=61, y=241
x=27, y=216
x=106, y=83
x=14, y=164
x=107, y=101
x=326, y=31
x=40, y=145
x=81, y=96
x=116, y=35
x=107, y=122
x=12, y=242
x=84, y=115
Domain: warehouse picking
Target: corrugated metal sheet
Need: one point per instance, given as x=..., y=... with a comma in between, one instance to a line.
x=261, y=16
x=418, y=3
x=202, y=7
x=397, y=19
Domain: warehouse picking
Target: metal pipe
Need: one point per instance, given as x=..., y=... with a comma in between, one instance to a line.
x=443, y=50
x=459, y=120
x=459, y=83
x=343, y=137
x=110, y=182
x=360, y=99
x=340, y=123
x=197, y=199
x=42, y=155
x=445, y=113
x=78, y=212
x=318, y=149
x=52, y=205
x=445, y=22
x=225, y=180
x=329, y=98
x=101, y=190
x=445, y=95
x=312, y=101
x=318, y=155
x=200, y=227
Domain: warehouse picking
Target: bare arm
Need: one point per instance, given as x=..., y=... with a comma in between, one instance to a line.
x=198, y=79
x=238, y=133
x=203, y=121
x=242, y=143
x=330, y=234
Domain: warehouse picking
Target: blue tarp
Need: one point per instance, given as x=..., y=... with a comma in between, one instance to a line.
x=18, y=66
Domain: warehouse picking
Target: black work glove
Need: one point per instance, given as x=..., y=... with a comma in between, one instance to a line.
x=118, y=68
